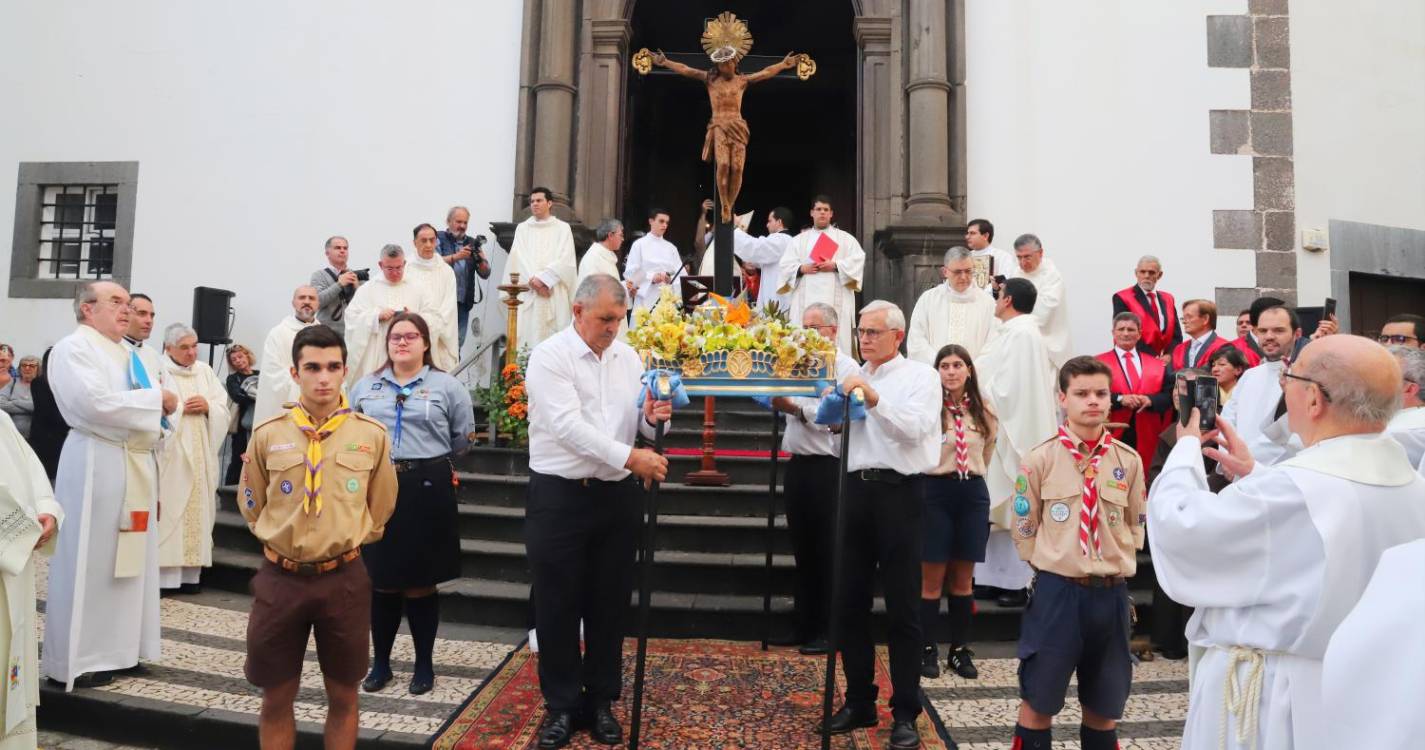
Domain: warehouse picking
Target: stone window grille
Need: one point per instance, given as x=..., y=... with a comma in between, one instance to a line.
x=74, y=223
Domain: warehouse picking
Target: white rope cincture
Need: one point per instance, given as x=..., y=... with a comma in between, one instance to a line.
x=1242, y=700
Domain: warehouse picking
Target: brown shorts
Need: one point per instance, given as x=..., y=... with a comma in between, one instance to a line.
x=286, y=608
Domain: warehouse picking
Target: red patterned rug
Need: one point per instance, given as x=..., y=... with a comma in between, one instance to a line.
x=699, y=695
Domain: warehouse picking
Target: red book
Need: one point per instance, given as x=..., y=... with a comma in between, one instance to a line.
x=824, y=249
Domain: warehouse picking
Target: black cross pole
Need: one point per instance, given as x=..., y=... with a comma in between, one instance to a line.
x=837, y=574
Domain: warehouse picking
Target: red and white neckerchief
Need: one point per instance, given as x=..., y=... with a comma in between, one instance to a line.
x=1088, y=518
x=962, y=446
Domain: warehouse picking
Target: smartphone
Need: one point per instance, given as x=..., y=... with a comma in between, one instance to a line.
x=1183, y=397
x=1328, y=309
x=1204, y=397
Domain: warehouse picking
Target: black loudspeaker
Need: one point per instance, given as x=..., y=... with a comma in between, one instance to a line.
x=212, y=309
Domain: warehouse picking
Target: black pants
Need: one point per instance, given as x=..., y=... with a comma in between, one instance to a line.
x=882, y=532
x=239, y=447
x=581, y=539
x=1169, y=632
x=811, y=493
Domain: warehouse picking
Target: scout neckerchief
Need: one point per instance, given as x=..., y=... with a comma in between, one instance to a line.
x=312, y=482
x=1088, y=517
x=962, y=446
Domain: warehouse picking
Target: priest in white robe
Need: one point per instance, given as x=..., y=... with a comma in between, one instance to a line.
x=989, y=261
x=275, y=385
x=603, y=257
x=1253, y=410
x=1019, y=381
x=1408, y=426
x=368, y=317
x=429, y=271
x=543, y=255
x=823, y=264
x=955, y=312
x=653, y=262
x=1052, y=307
x=30, y=517
x=188, y=467
x=102, y=609
x=766, y=254
x=1277, y=560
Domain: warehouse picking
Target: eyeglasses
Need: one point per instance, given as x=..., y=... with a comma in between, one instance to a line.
x=870, y=333
x=821, y=327
x=409, y=338
x=1395, y=338
x=1288, y=376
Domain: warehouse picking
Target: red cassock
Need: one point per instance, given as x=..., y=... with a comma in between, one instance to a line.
x=1158, y=338
x=1147, y=424
x=1204, y=357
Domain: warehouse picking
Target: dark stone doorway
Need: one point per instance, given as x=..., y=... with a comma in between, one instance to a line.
x=803, y=132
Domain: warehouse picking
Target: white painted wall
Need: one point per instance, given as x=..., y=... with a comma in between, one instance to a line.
x=1358, y=99
x=1088, y=125
x=260, y=128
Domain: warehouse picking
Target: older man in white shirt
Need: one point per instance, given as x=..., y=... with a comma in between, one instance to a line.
x=956, y=312
x=583, y=510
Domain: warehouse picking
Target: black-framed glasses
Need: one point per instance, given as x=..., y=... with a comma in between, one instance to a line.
x=1287, y=375
x=870, y=333
x=1395, y=338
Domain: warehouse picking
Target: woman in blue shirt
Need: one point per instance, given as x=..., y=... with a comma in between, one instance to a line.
x=429, y=418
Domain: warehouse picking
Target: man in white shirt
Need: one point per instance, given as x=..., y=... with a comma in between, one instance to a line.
x=1051, y=308
x=430, y=271
x=653, y=262
x=989, y=261
x=1276, y=561
x=1253, y=408
x=823, y=264
x=275, y=385
x=766, y=253
x=808, y=485
x=897, y=442
x=583, y=510
x=543, y=255
x=1408, y=425
x=956, y=312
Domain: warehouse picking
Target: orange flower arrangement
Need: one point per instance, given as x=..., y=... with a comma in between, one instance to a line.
x=507, y=402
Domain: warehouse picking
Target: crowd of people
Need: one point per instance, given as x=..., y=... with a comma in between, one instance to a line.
x=987, y=459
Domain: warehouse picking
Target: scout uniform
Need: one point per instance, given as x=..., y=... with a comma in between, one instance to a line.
x=312, y=524
x=1079, y=517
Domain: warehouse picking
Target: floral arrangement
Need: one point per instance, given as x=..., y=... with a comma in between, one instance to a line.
x=507, y=403
x=707, y=339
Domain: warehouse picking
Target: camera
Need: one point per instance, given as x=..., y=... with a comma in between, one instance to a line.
x=1200, y=393
x=478, y=243
x=362, y=274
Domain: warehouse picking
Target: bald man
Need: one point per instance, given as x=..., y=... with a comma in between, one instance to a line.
x=275, y=385
x=1253, y=559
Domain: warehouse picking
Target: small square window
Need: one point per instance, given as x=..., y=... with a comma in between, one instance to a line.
x=73, y=224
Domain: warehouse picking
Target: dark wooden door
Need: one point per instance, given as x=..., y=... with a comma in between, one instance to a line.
x=1374, y=299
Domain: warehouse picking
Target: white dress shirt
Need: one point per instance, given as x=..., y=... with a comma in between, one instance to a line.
x=804, y=436
x=1195, y=348
x=583, y=412
x=1131, y=354
x=902, y=431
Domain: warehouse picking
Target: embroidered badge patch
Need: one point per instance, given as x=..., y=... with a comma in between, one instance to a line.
x=1113, y=518
x=1119, y=473
x=1024, y=528
x=352, y=485
x=14, y=674
x=351, y=446
x=1021, y=505
x=286, y=487
x=281, y=447
x=1142, y=519
x=251, y=503
x=247, y=493
x=376, y=386
x=1059, y=512
x=1021, y=484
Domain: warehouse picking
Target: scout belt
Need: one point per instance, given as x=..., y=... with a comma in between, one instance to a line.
x=311, y=568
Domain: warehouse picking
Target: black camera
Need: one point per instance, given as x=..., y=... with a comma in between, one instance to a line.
x=1200, y=393
x=479, y=241
x=362, y=274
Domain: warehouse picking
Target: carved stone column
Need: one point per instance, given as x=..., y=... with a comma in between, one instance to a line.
x=602, y=73
x=554, y=99
x=882, y=139
x=928, y=112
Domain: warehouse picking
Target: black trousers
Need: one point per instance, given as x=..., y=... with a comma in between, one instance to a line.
x=1169, y=631
x=810, y=489
x=239, y=447
x=581, y=538
x=882, y=533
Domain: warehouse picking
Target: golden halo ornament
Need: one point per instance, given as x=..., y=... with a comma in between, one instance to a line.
x=727, y=30
x=643, y=61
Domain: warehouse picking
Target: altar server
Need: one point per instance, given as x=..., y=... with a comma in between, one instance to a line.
x=1051, y=309
x=653, y=261
x=427, y=269
x=823, y=264
x=955, y=312
x=766, y=253
x=543, y=255
x=275, y=386
x=368, y=317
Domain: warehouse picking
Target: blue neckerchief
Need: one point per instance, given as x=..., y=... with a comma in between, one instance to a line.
x=403, y=392
x=138, y=379
x=832, y=405
x=678, y=394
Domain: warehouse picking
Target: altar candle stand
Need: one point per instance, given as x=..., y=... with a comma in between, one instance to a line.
x=512, y=301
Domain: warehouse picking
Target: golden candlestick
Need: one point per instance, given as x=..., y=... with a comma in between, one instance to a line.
x=512, y=301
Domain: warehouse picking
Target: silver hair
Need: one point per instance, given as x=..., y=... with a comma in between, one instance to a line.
x=392, y=251
x=1412, y=364
x=451, y=213
x=957, y=253
x=27, y=359
x=895, y=319
x=828, y=313
x=334, y=238
x=1350, y=395
x=87, y=294
x=1028, y=239
x=596, y=285
x=176, y=333
x=606, y=228
x=1150, y=259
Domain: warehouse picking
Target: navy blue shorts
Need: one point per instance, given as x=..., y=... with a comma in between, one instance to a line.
x=1069, y=628
x=956, y=519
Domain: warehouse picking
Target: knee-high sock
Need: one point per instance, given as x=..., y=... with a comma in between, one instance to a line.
x=961, y=611
x=423, y=615
x=1098, y=739
x=385, y=621
x=929, y=612
x=1032, y=739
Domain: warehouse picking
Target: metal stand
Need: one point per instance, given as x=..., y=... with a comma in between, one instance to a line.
x=837, y=575
x=645, y=580
x=771, y=529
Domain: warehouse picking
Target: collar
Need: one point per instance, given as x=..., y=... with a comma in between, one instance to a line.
x=885, y=368
x=971, y=294
x=175, y=367
x=1125, y=352
x=335, y=270
x=1145, y=291
x=578, y=346
x=1204, y=337
x=1369, y=458
x=418, y=260
x=135, y=343
x=389, y=375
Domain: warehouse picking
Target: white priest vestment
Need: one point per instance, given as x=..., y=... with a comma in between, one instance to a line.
x=1004, y=264
x=944, y=316
x=275, y=385
x=1018, y=380
x=836, y=289
x=766, y=254
x=543, y=249
x=188, y=475
x=24, y=489
x=1371, y=676
x=95, y=621
x=1408, y=429
x=651, y=255
x=599, y=259
x=1051, y=308
x=438, y=279
x=1273, y=564
x=366, y=332
x=1252, y=410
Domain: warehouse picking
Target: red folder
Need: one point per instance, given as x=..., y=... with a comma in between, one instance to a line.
x=824, y=249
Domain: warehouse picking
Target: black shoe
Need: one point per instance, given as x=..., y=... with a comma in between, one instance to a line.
x=557, y=729
x=849, y=718
x=960, y=663
x=987, y=593
x=1173, y=654
x=190, y=588
x=376, y=680
x=137, y=670
x=815, y=647
x=904, y=736
x=421, y=684
x=930, y=662
x=87, y=680
x=603, y=727
x=1017, y=598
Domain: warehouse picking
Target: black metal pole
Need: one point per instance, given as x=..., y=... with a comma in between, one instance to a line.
x=771, y=530
x=722, y=244
x=645, y=575
x=837, y=552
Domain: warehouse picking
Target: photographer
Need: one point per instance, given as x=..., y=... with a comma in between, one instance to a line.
x=463, y=254
x=336, y=284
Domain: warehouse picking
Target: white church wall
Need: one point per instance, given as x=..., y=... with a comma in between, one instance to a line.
x=1088, y=126
x=260, y=129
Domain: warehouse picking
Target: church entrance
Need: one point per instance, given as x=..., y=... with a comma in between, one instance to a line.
x=803, y=133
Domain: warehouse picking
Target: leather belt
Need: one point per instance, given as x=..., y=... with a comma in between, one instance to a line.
x=310, y=568
x=1096, y=582
x=885, y=476
x=416, y=464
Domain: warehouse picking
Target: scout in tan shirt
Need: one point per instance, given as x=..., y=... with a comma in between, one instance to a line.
x=1079, y=508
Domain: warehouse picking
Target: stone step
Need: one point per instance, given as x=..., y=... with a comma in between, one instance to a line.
x=514, y=461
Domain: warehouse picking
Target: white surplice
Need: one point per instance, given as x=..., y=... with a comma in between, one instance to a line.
x=944, y=316
x=188, y=474
x=95, y=621
x=543, y=249
x=766, y=254
x=438, y=280
x=1273, y=564
x=275, y=385
x=22, y=482
x=1252, y=411
x=366, y=332
x=1051, y=309
x=836, y=289
x=1408, y=429
x=599, y=259
x=649, y=256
